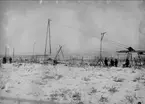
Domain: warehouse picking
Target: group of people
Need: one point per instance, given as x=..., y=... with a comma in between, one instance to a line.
x=5, y=60
x=113, y=62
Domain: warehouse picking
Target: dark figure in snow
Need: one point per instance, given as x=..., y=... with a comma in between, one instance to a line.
x=127, y=62
x=4, y=60
x=143, y=61
x=106, y=61
x=10, y=60
x=116, y=62
x=135, y=61
x=111, y=62
x=55, y=62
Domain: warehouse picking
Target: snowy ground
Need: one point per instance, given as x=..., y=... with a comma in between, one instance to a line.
x=72, y=84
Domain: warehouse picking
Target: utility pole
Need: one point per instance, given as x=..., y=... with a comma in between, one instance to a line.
x=13, y=53
x=48, y=25
x=5, y=51
x=33, y=48
x=33, y=58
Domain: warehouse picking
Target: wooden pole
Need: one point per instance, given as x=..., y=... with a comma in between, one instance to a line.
x=5, y=51
x=34, y=48
x=13, y=53
x=100, y=51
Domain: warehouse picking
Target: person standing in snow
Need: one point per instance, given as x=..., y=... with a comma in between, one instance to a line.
x=127, y=62
x=116, y=62
x=106, y=62
x=4, y=60
x=55, y=62
x=10, y=60
x=135, y=61
x=111, y=62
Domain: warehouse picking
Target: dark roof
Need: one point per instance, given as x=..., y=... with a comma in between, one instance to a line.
x=130, y=49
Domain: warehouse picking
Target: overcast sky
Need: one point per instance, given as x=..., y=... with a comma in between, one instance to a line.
x=75, y=25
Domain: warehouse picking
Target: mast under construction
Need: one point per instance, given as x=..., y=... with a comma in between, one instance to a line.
x=48, y=27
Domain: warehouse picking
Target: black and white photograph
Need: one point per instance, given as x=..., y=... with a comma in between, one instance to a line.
x=72, y=51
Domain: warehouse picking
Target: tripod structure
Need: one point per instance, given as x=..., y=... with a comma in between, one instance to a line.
x=100, y=61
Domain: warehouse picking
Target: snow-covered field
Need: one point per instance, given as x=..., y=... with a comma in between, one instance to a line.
x=73, y=84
